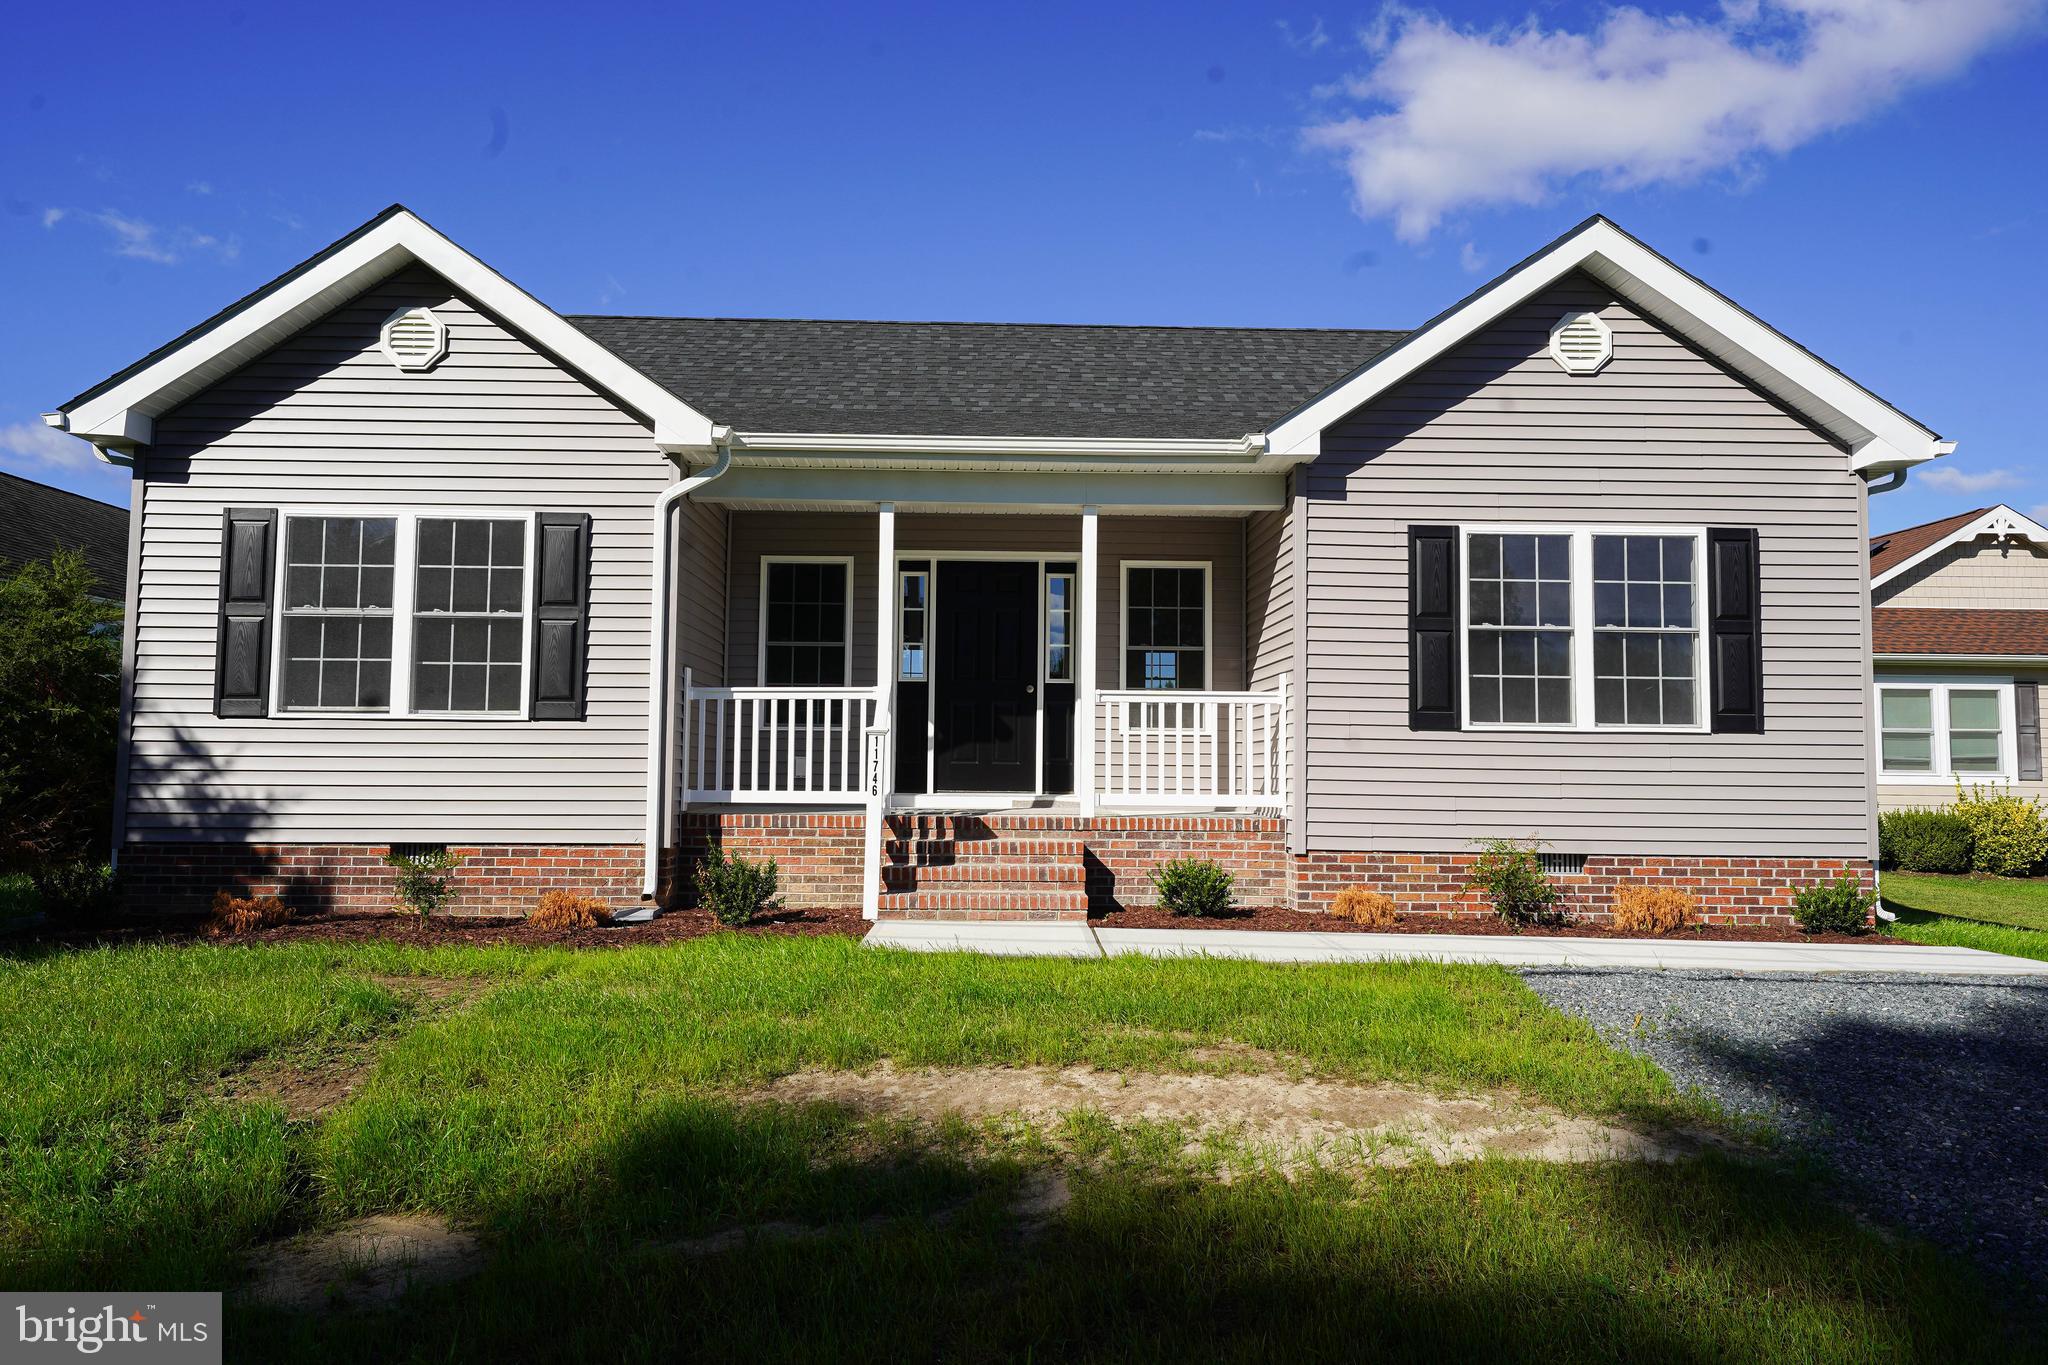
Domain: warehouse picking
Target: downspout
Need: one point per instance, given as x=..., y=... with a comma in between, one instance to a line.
x=1891, y=483
x=658, y=707
x=1872, y=487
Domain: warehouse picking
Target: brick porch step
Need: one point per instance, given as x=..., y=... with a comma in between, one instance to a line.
x=934, y=852
x=1035, y=876
x=955, y=902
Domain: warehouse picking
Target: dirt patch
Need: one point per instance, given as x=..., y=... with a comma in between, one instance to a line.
x=1293, y=1119
x=1270, y=919
x=368, y=1263
x=440, y=991
x=303, y=1092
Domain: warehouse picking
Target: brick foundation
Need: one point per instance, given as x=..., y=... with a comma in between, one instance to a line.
x=1731, y=890
x=1123, y=850
x=492, y=880
x=817, y=853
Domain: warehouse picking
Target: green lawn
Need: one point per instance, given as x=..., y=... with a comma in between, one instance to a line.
x=1995, y=914
x=580, y=1111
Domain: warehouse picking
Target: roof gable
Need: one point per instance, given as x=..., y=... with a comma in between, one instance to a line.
x=1896, y=552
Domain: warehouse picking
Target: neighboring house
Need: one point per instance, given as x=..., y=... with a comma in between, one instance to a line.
x=964, y=619
x=1959, y=625
x=37, y=520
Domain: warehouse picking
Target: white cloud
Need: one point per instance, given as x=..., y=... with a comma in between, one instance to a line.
x=141, y=240
x=1316, y=39
x=133, y=237
x=199, y=187
x=33, y=444
x=1463, y=117
x=1955, y=479
x=52, y=217
x=1470, y=259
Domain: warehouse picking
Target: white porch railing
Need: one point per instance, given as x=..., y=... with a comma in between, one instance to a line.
x=1161, y=748
x=775, y=744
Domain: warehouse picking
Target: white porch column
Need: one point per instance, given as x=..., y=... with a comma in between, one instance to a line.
x=881, y=747
x=1084, y=665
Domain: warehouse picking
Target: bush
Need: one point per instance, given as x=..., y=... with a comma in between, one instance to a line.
x=77, y=890
x=1654, y=910
x=1192, y=886
x=1513, y=879
x=560, y=910
x=1841, y=906
x=733, y=889
x=2009, y=833
x=424, y=881
x=234, y=914
x=1917, y=840
x=1363, y=905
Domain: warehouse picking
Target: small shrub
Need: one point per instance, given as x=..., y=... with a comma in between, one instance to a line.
x=733, y=889
x=424, y=881
x=80, y=890
x=2009, y=833
x=1841, y=906
x=234, y=914
x=560, y=910
x=1363, y=905
x=1654, y=910
x=1511, y=877
x=1920, y=840
x=1193, y=886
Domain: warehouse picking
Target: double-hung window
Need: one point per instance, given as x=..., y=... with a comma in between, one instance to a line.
x=807, y=628
x=1943, y=730
x=1166, y=626
x=457, y=582
x=1582, y=627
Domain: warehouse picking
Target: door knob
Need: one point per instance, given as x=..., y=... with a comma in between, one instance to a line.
x=1030, y=688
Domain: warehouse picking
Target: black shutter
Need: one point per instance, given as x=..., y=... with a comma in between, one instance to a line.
x=2026, y=703
x=1735, y=622
x=561, y=615
x=1432, y=627
x=241, y=654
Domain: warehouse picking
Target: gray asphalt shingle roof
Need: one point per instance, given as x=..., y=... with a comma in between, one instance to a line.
x=986, y=378
x=35, y=519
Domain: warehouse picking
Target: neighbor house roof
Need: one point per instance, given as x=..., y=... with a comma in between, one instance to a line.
x=36, y=520
x=1958, y=631
x=1895, y=552
x=1894, y=548
x=986, y=379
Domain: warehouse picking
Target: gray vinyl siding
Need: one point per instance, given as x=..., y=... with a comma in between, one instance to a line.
x=324, y=419
x=1495, y=432
x=1984, y=574
x=1218, y=540
x=1269, y=598
x=700, y=592
x=1892, y=795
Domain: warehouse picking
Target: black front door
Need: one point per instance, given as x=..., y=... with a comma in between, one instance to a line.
x=985, y=677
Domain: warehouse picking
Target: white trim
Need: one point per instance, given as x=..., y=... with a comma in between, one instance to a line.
x=1879, y=436
x=908, y=443
x=2000, y=522
x=1088, y=574
x=1580, y=536
x=404, y=585
x=1938, y=686
x=1123, y=624
x=761, y=638
x=125, y=413
x=1932, y=660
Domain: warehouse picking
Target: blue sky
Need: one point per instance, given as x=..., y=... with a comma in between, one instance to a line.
x=1865, y=174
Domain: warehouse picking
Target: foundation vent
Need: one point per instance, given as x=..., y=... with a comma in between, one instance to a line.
x=1562, y=864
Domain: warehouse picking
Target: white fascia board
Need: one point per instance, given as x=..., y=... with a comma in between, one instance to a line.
x=2001, y=521
x=1881, y=436
x=1129, y=492
x=122, y=414
x=1958, y=660
x=1106, y=448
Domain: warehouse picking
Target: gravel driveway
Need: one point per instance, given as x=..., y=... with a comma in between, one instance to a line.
x=1927, y=1095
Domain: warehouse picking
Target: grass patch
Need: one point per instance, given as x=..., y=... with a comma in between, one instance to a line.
x=2016, y=902
x=587, y=1115
x=1941, y=931
x=18, y=898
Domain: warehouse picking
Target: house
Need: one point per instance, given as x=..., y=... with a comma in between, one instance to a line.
x=965, y=619
x=1959, y=627
x=37, y=520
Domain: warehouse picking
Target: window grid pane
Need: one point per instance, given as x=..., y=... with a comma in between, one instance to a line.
x=1645, y=634
x=469, y=598
x=1906, y=715
x=338, y=582
x=912, y=606
x=805, y=643
x=1519, y=652
x=1165, y=628
x=1059, y=609
x=1975, y=732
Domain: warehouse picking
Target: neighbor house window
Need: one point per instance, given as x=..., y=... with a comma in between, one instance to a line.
x=1166, y=626
x=1945, y=730
x=806, y=631
x=1577, y=628
x=1059, y=627
x=338, y=594
x=469, y=614
x=460, y=582
x=914, y=610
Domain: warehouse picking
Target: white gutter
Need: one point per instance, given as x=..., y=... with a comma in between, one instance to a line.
x=658, y=708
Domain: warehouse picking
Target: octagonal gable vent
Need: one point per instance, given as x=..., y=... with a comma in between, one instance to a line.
x=1581, y=343
x=414, y=339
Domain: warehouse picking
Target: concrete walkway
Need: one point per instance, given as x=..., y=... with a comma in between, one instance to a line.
x=1522, y=950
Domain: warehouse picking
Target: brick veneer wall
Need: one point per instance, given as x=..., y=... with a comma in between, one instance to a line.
x=1122, y=850
x=817, y=853
x=492, y=879
x=1732, y=890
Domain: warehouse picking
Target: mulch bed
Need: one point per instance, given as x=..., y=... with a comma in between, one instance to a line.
x=1294, y=921
x=672, y=927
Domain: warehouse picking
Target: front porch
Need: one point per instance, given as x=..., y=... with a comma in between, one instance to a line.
x=1002, y=709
